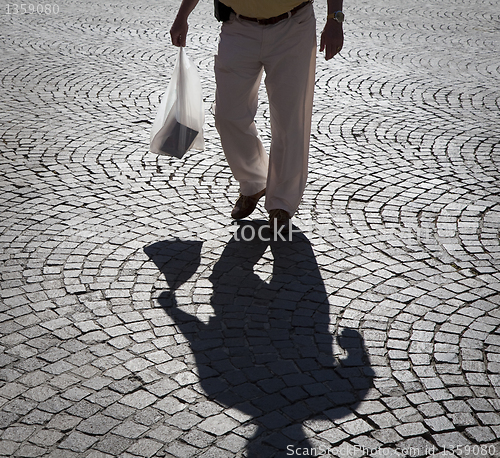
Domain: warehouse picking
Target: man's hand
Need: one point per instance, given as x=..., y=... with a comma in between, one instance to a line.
x=332, y=38
x=178, y=31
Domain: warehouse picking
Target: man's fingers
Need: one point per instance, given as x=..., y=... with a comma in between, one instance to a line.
x=179, y=41
x=332, y=39
x=178, y=32
x=177, y=38
x=331, y=50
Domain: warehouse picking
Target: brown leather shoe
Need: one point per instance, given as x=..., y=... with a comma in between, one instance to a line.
x=279, y=218
x=245, y=205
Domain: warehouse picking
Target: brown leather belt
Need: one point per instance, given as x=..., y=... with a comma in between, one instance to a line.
x=275, y=19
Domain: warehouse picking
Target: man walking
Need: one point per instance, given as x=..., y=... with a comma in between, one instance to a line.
x=278, y=38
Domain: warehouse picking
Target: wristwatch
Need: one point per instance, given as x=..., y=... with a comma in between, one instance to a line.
x=337, y=16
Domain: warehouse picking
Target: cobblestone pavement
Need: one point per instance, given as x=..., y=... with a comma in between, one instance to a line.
x=137, y=321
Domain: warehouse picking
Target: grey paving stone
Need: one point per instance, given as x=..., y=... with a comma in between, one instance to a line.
x=96, y=454
x=387, y=436
x=233, y=443
x=83, y=409
x=64, y=380
x=169, y=405
x=333, y=436
x=46, y=438
x=54, y=405
x=138, y=400
x=97, y=424
x=481, y=434
x=431, y=409
x=63, y=422
x=385, y=420
x=463, y=419
x=417, y=446
x=180, y=449
x=113, y=445
x=218, y=424
x=184, y=420
x=206, y=408
x=76, y=394
x=78, y=442
x=8, y=448
x=130, y=430
x=18, y=433
x=104, y=398
x=411, y=429
x=198, y=438
x=119, y=411
x=37, y=417
x=30, y=451
x=163, y=431
x=438, y=424
x=145, y=447
x=356, y=427
x=61, y=453
x=451, y=440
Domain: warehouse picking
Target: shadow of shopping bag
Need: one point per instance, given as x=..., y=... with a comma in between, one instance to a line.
x=178, y=126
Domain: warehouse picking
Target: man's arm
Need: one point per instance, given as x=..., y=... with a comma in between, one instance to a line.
x=332, y=37
x=179, y=29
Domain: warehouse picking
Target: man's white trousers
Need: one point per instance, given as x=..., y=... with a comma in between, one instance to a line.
x=286, y=52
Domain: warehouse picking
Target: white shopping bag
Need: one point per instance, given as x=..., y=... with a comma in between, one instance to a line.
x=178, y=126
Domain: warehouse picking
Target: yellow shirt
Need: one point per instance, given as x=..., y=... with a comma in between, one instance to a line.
x=262, y=9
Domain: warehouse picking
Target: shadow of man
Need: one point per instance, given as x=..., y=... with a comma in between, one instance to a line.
x=267, y=350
